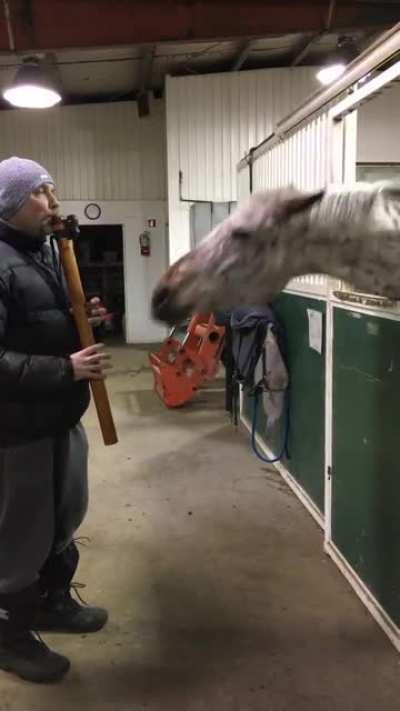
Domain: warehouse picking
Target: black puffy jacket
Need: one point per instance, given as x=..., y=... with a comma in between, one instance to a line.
x=38, y=394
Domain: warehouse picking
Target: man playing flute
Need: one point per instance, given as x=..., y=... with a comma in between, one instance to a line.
x=44, y=391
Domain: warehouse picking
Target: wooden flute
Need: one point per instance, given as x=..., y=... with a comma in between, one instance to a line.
x=65, y=230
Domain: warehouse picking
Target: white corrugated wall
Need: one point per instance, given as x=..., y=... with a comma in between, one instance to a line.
x=243, y=183
x=94, y=151
x=300, y=159
x=212, y=122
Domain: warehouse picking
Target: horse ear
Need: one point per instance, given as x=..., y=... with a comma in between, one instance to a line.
x=391, y=189
x=298, y=203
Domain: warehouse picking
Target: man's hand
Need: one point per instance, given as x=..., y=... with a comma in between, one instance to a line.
x=90, y=363
x=96, y=311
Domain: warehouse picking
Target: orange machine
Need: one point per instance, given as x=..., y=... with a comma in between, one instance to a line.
x=181, y=366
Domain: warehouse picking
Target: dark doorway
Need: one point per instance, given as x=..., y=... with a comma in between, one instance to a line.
x=100, y=256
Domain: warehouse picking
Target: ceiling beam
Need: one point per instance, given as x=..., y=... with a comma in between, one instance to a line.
x=241, y=56
x=368, y=39
x=303, y=47
x=58, y=24
x=146, y=68
x=8, y=24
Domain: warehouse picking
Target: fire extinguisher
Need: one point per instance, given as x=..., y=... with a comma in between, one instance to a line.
x=145, y=245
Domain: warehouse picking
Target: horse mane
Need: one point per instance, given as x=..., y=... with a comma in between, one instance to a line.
x=353, y=204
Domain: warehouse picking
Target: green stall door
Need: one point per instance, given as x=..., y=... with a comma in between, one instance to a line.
x=366, y=448
x=307, y=398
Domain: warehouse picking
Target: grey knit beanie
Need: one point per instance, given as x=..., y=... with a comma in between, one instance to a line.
x=19, y=177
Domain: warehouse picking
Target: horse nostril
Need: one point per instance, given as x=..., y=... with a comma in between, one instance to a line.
x=160, y=302
x=165, y=309
x=160, y=295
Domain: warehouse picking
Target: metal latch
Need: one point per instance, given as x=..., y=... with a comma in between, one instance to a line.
x=365, y=299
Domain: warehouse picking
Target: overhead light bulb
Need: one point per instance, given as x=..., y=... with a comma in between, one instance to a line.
x=33, y=86
x=328, y=74
x=31, y=96
x=338, y=60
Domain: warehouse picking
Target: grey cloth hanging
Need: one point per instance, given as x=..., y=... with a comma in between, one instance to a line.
x=272, y=376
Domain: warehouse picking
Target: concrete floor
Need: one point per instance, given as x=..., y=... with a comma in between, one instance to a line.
x=220, y=596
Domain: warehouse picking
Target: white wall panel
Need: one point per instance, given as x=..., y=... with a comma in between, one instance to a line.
x=212, y=122
x=94, y=151
x=379, y=127
x=300, y=159
x=243, y=183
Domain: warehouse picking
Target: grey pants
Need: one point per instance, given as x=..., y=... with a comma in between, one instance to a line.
x=43, y=500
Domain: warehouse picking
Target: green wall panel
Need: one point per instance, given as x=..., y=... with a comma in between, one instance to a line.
x=366, y=449
x=307, y=398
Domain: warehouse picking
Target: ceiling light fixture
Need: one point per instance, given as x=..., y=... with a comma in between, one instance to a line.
x=34, y=85
x=337, y=61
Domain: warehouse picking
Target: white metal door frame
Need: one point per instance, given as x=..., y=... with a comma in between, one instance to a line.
x=342, y=166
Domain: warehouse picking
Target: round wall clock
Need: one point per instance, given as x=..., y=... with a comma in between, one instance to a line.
x=92, y=211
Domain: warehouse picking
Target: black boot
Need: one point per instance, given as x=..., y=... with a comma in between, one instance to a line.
x=20, y=651
x=58, y=611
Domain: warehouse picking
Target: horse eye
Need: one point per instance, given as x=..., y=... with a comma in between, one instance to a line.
x=240, y=234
